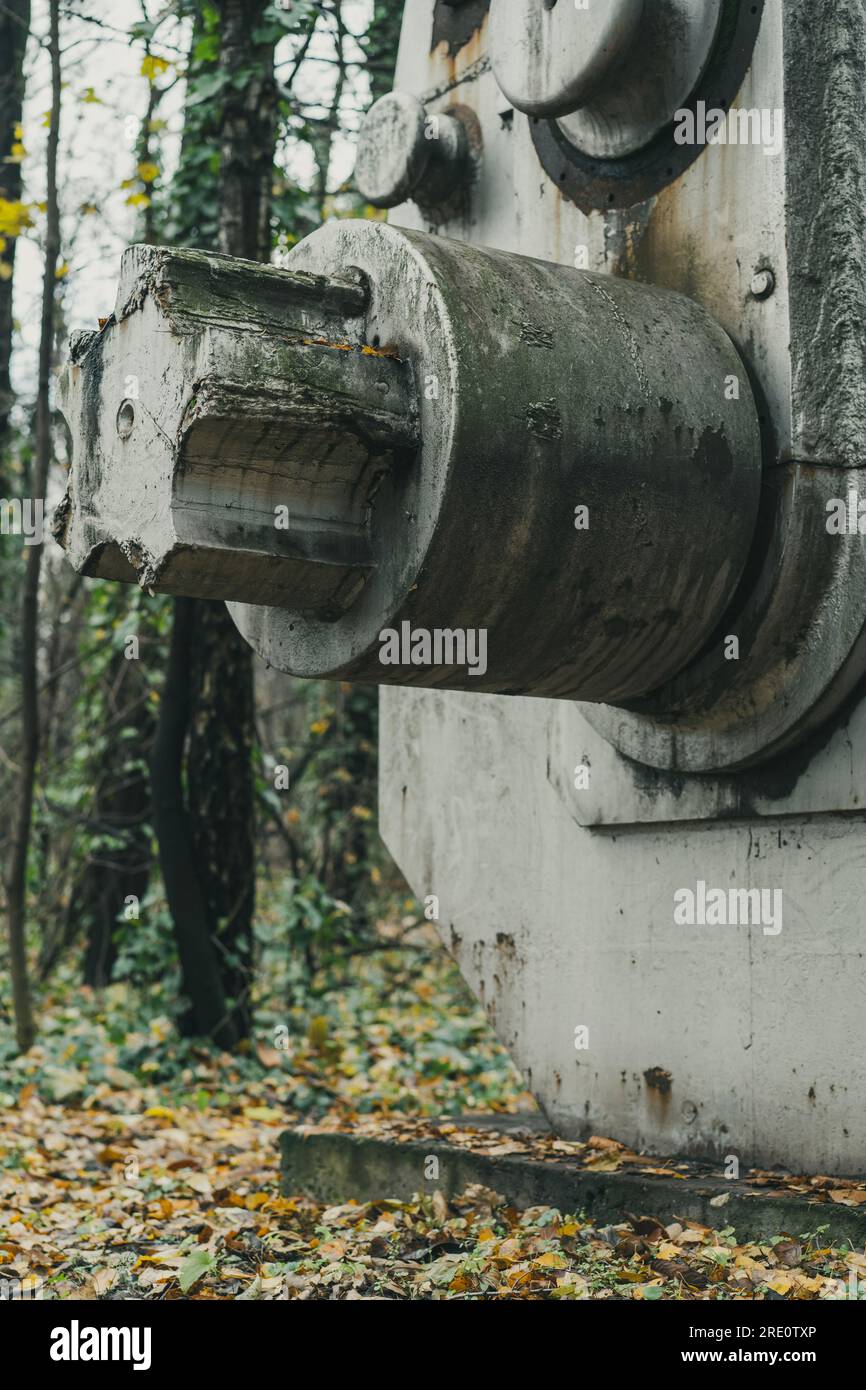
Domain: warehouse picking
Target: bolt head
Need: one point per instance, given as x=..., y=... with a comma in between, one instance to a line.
x=762, y=284
x=125, y=420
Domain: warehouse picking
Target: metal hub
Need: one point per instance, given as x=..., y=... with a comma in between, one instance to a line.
x=405, y=153
x=550, y=58
x=660, y=69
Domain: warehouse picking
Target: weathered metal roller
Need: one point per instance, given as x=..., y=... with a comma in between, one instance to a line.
x=406, y=435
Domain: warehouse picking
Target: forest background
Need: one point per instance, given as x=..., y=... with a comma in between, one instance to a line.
x=192, y=865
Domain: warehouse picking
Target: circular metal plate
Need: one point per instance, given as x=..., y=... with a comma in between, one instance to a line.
x=548, y=56
x=658, y=76
x=592, y=183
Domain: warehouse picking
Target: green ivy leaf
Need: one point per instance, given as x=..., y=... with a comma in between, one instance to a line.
x=198, y=1263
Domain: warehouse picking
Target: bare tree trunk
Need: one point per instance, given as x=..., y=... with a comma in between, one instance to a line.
x=14, y=28
x=143, y=152
x=201, y=975
x=120, y=815
x=207, y=845
x=381, y=43
x=248, y=132
x=17, y=882
x=323, y=143
x=220, y=759
x=122, y=792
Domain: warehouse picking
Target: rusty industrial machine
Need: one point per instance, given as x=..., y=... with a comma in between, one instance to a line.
x=566, y=456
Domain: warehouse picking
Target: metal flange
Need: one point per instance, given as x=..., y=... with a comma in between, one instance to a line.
x=639, y=164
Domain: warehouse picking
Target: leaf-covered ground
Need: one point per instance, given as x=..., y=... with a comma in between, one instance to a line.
x=136, y=1165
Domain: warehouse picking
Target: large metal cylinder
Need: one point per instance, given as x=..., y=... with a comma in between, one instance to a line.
x=584, y=494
